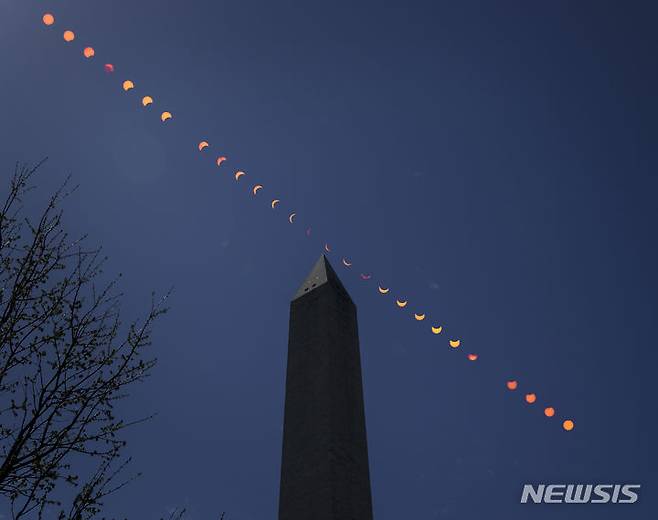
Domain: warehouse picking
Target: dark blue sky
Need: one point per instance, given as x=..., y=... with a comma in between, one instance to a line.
x=493, y=162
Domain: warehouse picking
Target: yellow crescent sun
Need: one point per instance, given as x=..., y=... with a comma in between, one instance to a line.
x=166, y=116
x=275, y=202
x=291, y=218
x=419, y=317
x=256, y=188
x=401, y=303
x=128, y=85
x=147, y=100
x=437, y=330
x=454, y=343
x=239, y=174
x=220, y=160
x=383, y=290
x=346, y=263
x=203, y=145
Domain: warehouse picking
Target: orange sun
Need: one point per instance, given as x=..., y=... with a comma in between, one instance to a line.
x=48, y=19
x=89, y=52
x=549, y=411
x=69, y=36
x=530, y=398
x=568, y=425
x=511, y=385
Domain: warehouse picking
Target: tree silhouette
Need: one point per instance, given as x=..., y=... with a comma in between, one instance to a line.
x=66, y=359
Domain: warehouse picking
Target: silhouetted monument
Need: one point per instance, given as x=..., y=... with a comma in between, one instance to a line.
x=324, y=470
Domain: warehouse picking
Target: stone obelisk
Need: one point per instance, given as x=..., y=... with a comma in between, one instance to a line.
x=324, y=469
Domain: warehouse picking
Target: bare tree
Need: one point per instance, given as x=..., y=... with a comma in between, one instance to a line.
x=65, y=361
x=179, y=514
x=176, y=514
